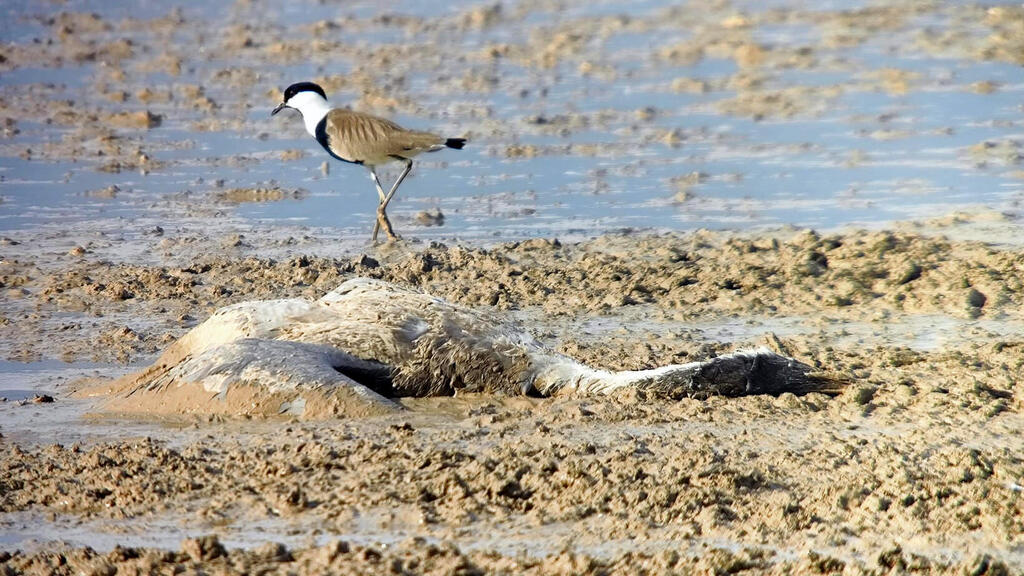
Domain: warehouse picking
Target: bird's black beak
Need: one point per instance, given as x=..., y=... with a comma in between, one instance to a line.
x=280, y=107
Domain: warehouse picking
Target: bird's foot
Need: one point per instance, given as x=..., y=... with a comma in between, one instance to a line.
x=385, y=224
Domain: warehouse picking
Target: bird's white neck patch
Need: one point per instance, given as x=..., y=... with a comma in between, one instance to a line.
x=313, y=108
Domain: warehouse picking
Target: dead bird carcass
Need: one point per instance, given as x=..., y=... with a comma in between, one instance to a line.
x=368, y=341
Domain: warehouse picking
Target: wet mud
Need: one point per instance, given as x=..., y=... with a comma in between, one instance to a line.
x=916, y=464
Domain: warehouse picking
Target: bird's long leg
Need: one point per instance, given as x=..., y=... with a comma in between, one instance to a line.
x=401, y=177
x=380, y=189
x=382, y=218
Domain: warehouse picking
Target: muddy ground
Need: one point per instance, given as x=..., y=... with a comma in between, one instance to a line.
x=917, y=466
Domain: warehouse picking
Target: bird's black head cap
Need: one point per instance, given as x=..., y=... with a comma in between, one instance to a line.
x=303, y=87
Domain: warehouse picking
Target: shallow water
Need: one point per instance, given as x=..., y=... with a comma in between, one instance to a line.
x=60, y=421
x=875, y=151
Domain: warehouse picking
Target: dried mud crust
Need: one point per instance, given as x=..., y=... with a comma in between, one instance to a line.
x=795, y=482
x=416, y=556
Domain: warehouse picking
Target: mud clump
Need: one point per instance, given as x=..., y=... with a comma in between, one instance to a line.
x=275, y=194
x=144, y=119
x=430, y=217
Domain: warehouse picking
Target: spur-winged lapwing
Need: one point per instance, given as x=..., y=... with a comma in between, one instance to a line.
x=362, y=139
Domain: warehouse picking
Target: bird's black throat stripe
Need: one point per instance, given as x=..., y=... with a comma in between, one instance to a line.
x=325, y=141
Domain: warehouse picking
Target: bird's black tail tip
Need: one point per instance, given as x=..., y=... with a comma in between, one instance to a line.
x=456, y=143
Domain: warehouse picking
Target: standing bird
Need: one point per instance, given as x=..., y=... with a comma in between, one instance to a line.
x=362, y=139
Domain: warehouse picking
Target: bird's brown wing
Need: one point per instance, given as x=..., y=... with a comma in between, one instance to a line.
x=358, y=137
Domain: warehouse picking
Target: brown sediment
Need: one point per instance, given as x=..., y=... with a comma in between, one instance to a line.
x=275, y=194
